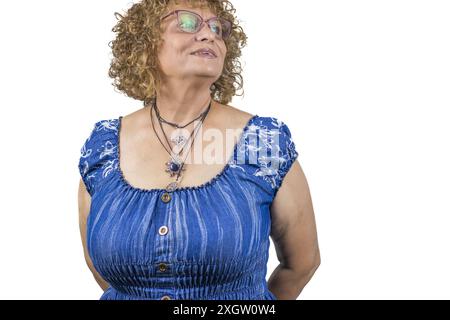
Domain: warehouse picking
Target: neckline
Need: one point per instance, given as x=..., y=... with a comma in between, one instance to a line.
x=183, y=188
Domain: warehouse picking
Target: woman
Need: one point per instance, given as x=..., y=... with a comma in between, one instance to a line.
x=156, y=225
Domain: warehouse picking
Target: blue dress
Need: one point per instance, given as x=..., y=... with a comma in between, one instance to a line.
x=206, y=242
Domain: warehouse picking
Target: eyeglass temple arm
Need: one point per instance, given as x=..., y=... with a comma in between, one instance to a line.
x=169, y=14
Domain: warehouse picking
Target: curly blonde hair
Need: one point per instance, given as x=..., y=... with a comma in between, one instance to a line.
x=135, y=65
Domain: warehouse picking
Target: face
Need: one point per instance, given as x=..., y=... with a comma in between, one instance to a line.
x=176, y=52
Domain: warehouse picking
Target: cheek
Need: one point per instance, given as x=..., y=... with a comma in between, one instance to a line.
x=175, y=49
x=223, y=49
x=168, y=55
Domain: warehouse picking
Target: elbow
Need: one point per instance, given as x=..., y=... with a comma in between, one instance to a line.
x=307, y=269
x=316, y=263
x=310, y=269
x=315, y=267
x=305, y=274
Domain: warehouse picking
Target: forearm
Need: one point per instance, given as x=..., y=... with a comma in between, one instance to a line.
x=287, y=284
x=101, y=282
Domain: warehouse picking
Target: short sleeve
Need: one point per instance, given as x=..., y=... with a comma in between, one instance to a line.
x=287, y=154
x=98, y=154
x=86, y=164
x=267, y=152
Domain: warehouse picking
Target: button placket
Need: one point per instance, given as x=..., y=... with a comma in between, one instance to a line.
x=163, y=267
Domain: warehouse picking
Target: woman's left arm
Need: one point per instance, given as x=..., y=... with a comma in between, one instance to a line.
x=294, y=234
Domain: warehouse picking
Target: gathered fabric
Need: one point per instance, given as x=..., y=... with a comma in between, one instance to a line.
x=206, y=242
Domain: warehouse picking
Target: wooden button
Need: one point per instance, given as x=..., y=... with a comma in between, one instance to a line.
x=166, y=197
x=165, y=298
x=163, y=230
x=162, y=267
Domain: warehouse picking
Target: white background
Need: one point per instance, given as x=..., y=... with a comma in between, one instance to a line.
x=363, y=86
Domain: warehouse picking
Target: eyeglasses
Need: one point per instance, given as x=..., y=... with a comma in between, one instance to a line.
x=191, y=22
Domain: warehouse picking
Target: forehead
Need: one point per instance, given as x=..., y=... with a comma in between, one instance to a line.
x=199, y=7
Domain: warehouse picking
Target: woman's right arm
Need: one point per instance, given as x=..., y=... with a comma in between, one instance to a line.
x=84, y=204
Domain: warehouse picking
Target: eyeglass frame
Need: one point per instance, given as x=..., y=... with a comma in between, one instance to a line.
x=201, y=19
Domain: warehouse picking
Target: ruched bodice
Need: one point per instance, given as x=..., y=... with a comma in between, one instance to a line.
x=207, y=242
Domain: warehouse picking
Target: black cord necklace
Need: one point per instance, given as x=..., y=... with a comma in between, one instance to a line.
x=179, y=139
x=175, y=166
x=161, y=119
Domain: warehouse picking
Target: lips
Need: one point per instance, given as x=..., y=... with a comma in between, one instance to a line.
x=205, y=51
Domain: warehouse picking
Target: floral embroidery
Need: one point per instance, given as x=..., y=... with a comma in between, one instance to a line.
x=90, y=154
x=85, y=153
x=106, y=125
x=108, y=149
x=267, y=143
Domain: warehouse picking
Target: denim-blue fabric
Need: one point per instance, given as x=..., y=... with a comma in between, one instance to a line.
x=217, y=240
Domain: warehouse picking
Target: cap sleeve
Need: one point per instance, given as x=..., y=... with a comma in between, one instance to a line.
x=287, y=154
x=97, y=155
x=268, y=151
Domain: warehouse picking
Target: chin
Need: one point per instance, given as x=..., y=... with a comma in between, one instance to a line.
x=204, y=72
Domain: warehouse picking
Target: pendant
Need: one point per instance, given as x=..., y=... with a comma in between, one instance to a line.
x=178, y=140
x=175, y=184
x=174, y=167
x=172, y=186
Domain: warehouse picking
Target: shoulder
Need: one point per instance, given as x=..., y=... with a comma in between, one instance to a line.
x=267, y=128
x=229, y=117
x=98, y=152
x=269, y=148
x=274, y=131
x=101, y=131
x=271, y=123
x=104, y=128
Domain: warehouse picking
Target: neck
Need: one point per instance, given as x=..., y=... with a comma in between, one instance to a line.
x=181, y=102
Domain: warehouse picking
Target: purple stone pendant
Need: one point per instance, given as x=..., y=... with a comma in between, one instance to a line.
x=173, y=167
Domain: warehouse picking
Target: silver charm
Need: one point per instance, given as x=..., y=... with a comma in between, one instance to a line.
x=179, y=140
x=172, y=186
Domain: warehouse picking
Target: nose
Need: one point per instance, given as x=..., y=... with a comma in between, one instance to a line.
x=205, y=32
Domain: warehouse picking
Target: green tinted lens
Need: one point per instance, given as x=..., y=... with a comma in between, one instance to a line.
x=221, y=27
x=216, y=26
x=188, y=22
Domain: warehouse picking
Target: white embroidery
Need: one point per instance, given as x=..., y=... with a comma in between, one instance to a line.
x=86, y=152
x=260, y=145
x=104, y=155
x=110, y=124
